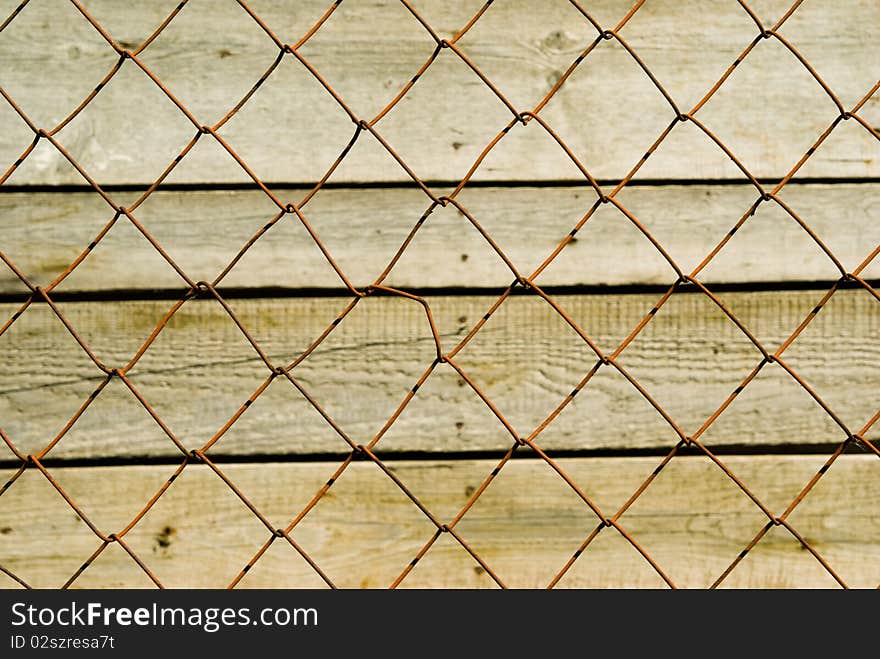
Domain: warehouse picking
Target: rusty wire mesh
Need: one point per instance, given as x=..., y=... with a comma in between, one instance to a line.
x=607, y=521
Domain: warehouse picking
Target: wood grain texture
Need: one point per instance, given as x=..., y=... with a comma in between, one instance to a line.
x=363, y=229
x=200, y=372
x=768, y=112
x=526, y=525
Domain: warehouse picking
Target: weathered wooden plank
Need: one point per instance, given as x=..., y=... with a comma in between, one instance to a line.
x=768, y=112
x=363, y=229
x=692, y=520
x=200, y=372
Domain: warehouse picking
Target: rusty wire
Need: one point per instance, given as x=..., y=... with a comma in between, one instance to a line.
x=606, y=521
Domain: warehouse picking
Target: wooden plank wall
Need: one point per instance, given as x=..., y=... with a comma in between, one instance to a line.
x=202, y=372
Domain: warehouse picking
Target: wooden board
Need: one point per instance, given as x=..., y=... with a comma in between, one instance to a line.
x=525, y=526
x=768, y=112
x=363, y=230
x=200, y=372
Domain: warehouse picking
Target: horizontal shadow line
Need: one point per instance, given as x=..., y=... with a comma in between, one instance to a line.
x=68, y=188
x=273, y=292
x=524, y=453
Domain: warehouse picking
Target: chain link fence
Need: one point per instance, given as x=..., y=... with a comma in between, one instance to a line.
x=290, y=50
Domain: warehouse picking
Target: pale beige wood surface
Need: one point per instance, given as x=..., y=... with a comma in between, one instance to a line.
x=201, y=370
x=768, y=112
x=205, y=384
x=363, y=229
x=692, y=520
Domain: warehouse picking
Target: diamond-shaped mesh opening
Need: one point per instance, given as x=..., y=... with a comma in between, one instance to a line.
x=451, y=240
x=446, y=412
x=214, y=541
x=556, y=31
x=384, y=223
x=705, y=353
x=710, y=540
x=852, y=34
x=522, y=496
x=71, y=55
x=196, y=343
x=501, y=211
x=94, y=432
x=106, y=496
x=838, y=532
x=595, y=131
x=828, y=208
x=362, y=508
x=269, y=131
x=122, y=151
x=37, y=557
x=770, y=228
x=779, y=561
x=687, y=151
x=548, y=364
x=43, y=238
x=181, y=222
x=709, y=212
x=604, y=413
x=285, y=250
x=583, y=261
x=42, y=360
x=749, y=414
x=374, y=84
x=377, y=332
x=261, y=425
x=447, y=563
x=737, y=113
x=852, y=344
x=16, y=137
x=236, y=48
x=685, y=59
x=445, y=120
